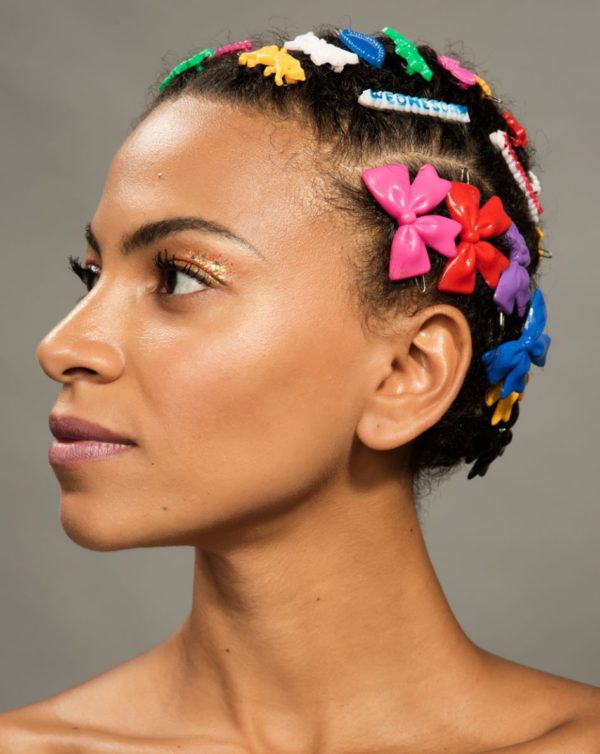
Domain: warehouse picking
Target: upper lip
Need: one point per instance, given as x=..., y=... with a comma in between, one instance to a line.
x=72, y=428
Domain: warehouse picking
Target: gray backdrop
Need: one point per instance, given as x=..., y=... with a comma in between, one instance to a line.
x=517, y=552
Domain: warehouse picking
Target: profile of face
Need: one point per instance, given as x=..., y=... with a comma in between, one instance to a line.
x=247, y=392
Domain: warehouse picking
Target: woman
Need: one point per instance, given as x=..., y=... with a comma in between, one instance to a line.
x=306, y=302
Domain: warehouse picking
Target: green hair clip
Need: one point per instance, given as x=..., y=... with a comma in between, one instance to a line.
x=407, y=50
x=194, y=62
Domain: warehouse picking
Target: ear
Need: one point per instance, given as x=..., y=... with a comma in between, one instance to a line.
x=419, y=374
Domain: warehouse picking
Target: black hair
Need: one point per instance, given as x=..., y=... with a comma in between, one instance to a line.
x=361, y=137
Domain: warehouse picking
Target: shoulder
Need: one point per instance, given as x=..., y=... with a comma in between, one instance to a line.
x=557, y=714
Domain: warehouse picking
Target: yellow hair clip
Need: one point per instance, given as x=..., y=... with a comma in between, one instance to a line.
x=278, y=61
x=503, y=409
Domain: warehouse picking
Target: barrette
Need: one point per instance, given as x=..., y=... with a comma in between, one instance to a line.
x=542, y=253
x=474, y=253
x=195, y=63
x=365, y=46
x=504, y=406
x=501, y=140
x=278, y=61
x=535, y=182
x=511, y=361
x=381, y=100
x=513, y=286
x=407, y=50
x=519, y=136
x=485, y=88
x=391, y=187
x=321, y=51
x=243, y=46
x=464, y=77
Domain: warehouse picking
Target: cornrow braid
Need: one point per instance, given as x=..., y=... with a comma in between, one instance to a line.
x=355, y=138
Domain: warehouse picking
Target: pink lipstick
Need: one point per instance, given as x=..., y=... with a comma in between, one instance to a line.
x=78, y=440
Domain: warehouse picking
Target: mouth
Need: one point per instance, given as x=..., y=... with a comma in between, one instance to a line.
x=78, y=440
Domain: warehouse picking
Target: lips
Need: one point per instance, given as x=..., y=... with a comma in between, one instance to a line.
x=72, y=429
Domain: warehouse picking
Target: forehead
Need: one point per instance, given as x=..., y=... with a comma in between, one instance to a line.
x=227, y=159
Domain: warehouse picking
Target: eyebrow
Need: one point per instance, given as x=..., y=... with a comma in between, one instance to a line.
x=150, y=233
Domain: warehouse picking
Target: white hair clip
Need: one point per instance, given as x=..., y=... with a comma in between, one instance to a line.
x=501, y=140
x=321, y=51
x=406, y=104
x=535, y=182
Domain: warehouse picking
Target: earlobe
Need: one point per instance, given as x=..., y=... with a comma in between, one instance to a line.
x=419, y=376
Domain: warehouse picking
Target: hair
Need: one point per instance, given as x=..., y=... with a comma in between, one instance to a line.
x=357, y=137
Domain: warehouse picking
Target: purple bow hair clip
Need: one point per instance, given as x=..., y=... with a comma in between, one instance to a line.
x=391, y=187
x=513, y=286
x=464, y=77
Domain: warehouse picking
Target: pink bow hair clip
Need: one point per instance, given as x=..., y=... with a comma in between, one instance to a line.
x=407, y=204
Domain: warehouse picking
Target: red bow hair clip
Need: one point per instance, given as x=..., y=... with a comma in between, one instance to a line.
x=474, y=253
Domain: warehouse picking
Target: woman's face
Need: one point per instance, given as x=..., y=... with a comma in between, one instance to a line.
x=242, y=395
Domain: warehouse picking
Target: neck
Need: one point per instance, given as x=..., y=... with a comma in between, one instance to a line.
x=329, y=616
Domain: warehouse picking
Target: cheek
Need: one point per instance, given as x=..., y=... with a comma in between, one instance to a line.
x=251, y=411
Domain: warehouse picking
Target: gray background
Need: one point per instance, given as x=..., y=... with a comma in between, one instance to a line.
x=517, y=552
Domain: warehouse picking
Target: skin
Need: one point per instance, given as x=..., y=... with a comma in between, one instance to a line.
x=272, y=431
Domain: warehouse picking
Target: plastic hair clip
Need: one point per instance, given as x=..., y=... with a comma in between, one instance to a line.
x=474, y=253
x=407, y=50
x=391, y=187
x=504, y=406
x=513, y=286
x=195, y=62
x=242, y=46
x=501, y=140
x=419, y=105
x=511, y=361
x=278, y=61
x=464, y=77
x=322, y=52
x=365, y=46
x=518, y=133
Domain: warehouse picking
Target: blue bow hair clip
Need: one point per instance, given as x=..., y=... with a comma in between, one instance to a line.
x=512, y=360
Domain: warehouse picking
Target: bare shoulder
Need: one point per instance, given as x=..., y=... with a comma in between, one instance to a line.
x=559, y=715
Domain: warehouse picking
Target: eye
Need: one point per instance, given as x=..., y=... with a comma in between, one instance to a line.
x=87, y=273
x=191, y=275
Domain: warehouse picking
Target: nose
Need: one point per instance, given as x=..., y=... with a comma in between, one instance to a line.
x=80, y=347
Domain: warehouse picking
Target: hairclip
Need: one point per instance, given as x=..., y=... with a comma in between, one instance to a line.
x=519, y=134
x=407, y=50
x=501, y=141
x=513, y=286
x=535, y=182
x=321, y=51
x=474, y=253
x=464, y=77
x=510, y=361
x=195, y=62
x=278, y=61
x=364, y=45
x=242, y=46
x=404, y=103
x=504, y=406
x=391, y=187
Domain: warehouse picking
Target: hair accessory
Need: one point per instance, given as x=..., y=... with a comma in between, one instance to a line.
x=321, y=51
x=364, y=45
x=406, y=104
x=493, y=441
x=513, y=286
x=511, y=361
x=474, y=253
x=504, y=405
x=278, y=61
x=390, y=185
x=535, y=182
x=501, y=141
x=519, y=134
x=195, y=62
x=464, y=77
x=407, y=50
x=242, y=46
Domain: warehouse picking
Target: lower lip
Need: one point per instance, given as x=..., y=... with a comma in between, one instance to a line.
x=84, y=450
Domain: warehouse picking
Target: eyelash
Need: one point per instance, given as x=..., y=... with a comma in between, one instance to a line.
x=161, y=262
